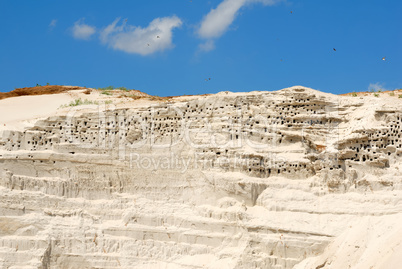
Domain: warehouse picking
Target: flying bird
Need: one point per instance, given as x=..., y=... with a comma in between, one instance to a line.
x=334, y=49
x=383, y=58
x=148, y=45
x=157, y=36
x=291, y=12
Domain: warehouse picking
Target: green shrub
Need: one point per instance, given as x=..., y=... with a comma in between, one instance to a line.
x=106, y=93
x=376, y=95
x=391, y=94
x=109, y=88
x=400, y=96
x=80, y=102
x=354, y=94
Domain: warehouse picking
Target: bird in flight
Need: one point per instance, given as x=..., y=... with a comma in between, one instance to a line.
x=383, y=58
x=157, y=36
x=207, y=79
x=334, y=49
x=291, y=12
x=148, y=44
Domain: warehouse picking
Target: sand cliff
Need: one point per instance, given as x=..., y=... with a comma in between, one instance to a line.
x=294, y=178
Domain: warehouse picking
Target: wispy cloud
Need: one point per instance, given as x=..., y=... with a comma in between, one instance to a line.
x=377, y=87
x=207, y=46
x=81, y=30
x=157, y=36
x=218, y=20
x=52, y=24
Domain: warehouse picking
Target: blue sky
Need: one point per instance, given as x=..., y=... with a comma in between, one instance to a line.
x=174, y=47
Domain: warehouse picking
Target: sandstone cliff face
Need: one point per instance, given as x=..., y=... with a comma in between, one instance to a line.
x=232, y=180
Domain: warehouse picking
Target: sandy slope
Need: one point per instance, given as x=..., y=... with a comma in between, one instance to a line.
x=371, y=242
x=18, y=112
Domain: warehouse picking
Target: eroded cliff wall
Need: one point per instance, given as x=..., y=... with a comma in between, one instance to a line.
x=242, y=180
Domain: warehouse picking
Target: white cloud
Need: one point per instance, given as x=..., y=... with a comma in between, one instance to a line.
x=52, y=24
x=82, y=30
x=207, y=46
x=134, y=39
x=218, y=20
x=376, y=87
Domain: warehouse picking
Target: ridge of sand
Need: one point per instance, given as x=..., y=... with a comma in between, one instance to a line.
x=38, y=90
